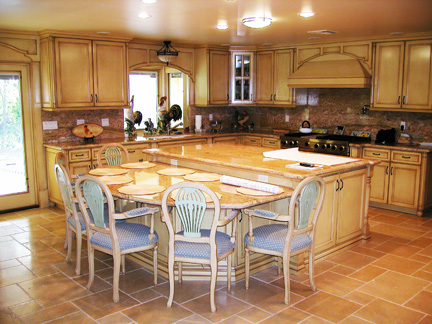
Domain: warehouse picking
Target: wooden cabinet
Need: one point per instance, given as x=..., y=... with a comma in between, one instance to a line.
x=261, y=141
x=252, y=140
x=400, y=180
x=403, y=76
x=83, y=74
x=212, y=77
x=227, y=139
x=272, y=71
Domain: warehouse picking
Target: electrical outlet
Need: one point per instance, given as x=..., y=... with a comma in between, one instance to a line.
x=105, y=121
x=287, y=118
x=80, y=121
x=46, y=125
x=402, y=126
x=210, y=117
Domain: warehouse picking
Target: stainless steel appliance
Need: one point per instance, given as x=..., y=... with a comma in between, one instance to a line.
x=318, y=143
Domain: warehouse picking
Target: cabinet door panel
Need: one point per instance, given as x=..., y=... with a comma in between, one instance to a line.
x=379, y=183
x=74, y=74
x=388, y=75
x=283, y=68
x=351, y=204
x=110, y=65
x=79, y=167
x=219, y=78
x=326, y=226
x=265, y=77
x=418, y=77
x=404, y=185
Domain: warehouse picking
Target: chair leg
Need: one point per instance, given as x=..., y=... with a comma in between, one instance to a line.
x=214, y=269
x=286, y=260
x=311, y=270
x=247, y=258
x=116, y=277
x=279, y=265
x=90, y=257
x=180, y=272
x=171, y=279
x=78, y=253
x=155, y=265
x=229, y=263
x=123, y=264
x=69, y=244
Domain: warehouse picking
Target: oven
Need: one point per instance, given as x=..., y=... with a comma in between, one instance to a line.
x=319, y=143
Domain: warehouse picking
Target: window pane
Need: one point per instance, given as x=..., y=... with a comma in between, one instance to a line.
x=238, y=65
x=176, y=93
x=143, y=86
x=13, y=172
x=238, y=87
x=246, y=68
x=246, y=91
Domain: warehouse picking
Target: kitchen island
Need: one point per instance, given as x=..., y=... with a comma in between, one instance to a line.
x=343, y=220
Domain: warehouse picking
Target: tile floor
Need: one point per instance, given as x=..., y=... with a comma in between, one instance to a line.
x=386, y=280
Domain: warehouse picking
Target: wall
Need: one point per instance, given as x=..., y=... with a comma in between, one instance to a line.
x=324, y=108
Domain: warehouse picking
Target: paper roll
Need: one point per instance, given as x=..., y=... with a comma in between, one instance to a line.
x=198, y=121
x=249, y=184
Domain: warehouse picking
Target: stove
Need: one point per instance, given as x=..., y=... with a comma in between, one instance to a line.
x=318, y=143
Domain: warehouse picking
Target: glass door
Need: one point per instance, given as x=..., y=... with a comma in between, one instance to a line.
x=17, y=183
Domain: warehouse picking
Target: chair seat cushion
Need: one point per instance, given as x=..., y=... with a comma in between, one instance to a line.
x=130, y=235
x=202, y=250
x=272, y=237
x=71, y=221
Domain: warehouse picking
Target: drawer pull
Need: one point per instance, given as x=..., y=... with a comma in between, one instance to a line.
x=391, y=171
x=253, y=141
x=272, y=142
x=132, y=151
x=387, y=169
x=406, y=157
x=376, y=154
x=79, y=155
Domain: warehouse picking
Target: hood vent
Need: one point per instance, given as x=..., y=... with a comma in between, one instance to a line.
x=331, y=71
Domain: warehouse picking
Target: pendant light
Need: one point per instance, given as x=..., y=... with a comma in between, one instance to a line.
x=167, y=53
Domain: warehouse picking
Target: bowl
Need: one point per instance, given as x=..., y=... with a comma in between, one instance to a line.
x=305, y=130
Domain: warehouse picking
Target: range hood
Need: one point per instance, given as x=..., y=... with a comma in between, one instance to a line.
x=331, y=71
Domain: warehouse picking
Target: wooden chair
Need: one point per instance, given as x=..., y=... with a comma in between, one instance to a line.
x=114, y=154
x=74, y=220
x=194, y=244
x=287, y=240
x=115, y=238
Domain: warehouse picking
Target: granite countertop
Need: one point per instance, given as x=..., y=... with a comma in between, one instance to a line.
x=401, y=147
x=251, y=158
x=146, y=139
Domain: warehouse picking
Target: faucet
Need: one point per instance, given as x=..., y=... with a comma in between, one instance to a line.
x=174, y=127
x=168, y=128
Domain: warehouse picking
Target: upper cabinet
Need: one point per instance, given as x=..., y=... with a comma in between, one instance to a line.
x=403, y=76
x=83, y=74
x=273, y=69
x=242, y=77
x=211, y=77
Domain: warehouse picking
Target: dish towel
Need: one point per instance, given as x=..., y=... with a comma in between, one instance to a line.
x=249, y=184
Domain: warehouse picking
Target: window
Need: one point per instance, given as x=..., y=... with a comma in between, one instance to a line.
x=176, y=93
x=242, y=77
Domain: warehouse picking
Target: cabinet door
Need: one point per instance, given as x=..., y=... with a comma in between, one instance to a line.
x=110, y=74
x=388, y=74
x=229, y=139
x=265, y=77
x=74, y=72
x=351, y=202
x=136, y=154
x=417, y=85
x=326, y=226
x=379, y=183
x=404, y=185
x=252, y=140
x=219, y=78
x=79, y=167
x=282, y=70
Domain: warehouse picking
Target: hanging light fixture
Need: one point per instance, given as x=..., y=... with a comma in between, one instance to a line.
x=257, y=22
x=167, y=53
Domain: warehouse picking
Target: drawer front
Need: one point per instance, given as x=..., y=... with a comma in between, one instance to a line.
x=186, y=142
x=79, y=155
x=406, y=157
x=270, y=142
x=252, y=140
x=95, y=153
x=370, y=153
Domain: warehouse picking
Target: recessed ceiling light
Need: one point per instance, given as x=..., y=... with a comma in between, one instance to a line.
x=322, y=32
x=313, y=38
x=222, y=26
x=149, y=1
x=266, y=44
x=103, y=33
x=144, y=15
x=306, y=14
x=257, y=22
x=396, y=33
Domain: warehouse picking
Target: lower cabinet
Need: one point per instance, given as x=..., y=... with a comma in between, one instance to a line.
x=229, y=139
x=261, y=141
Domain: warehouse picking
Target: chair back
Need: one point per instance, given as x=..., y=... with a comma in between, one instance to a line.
x=65, y=186
x=61, y=159
x=93, y=194
x=114, y=154
x=308, y=196
x=190, y=205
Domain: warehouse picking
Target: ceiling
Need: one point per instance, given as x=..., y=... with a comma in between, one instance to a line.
x=194, y=21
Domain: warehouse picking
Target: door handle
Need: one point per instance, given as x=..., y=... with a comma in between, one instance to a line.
x=274, y=97
x=91, y=98
x=337, y=188
x=399, y=100
x=387, y=169
x=391, y=171
x=96, y=98
x=271, y=97
x=403, y=100
x=341, y=184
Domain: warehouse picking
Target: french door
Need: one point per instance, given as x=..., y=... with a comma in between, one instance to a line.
x=17, y=176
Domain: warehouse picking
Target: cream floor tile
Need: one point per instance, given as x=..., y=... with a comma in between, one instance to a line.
x=12, y=295
x=254, y=315
x=12, y=249
x=77, y=317
x=352, y=260
x=398, y=249
x=367, y=273
x=14, y=275
x=337, y=284
x=43, y=259
x=116, y=318
x=194, y=319
x=187, y=290
x=395, y=263
x=26, y=308
x=359, y=297
x=287, y=316
x=397, y=231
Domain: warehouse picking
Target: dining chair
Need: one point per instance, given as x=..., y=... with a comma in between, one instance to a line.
x=74, y=220
x=292, y=238
x=194, y=244
x=115, y=238
x=114, y=154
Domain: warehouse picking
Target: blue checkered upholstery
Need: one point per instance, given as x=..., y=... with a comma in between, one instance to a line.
x=130, y=235
x=272, y=237
x=202, y=250
x=265, y=213
x=71, y=220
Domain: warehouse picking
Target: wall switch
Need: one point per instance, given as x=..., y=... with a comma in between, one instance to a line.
x=80, y=121
x=210, y=117
x=46, y=125
x=105, y=121
x=402, y=126
x=287, y=118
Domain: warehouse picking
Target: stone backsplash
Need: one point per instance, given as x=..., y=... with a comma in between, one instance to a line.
x=324, y=108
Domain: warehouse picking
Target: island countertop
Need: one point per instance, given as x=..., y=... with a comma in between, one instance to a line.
x=249, y=158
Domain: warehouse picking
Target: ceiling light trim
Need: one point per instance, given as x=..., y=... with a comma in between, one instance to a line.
x=257, y=22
